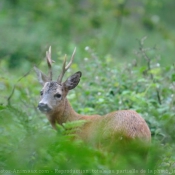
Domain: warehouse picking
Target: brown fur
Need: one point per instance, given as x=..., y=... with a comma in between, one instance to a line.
x=126, y=123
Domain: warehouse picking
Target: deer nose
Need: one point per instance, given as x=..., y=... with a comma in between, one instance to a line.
x=43, y=107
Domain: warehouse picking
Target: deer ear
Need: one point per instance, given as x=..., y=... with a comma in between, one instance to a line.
x=42, y=78
x=72, y=81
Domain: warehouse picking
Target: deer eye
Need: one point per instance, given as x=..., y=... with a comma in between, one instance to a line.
x=41, y=93
x=57, y=95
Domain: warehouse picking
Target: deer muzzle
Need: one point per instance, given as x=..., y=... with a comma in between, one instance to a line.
x=44, y=107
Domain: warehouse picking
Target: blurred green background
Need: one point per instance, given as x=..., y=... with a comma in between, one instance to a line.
x=108, y=27
x=125, y=49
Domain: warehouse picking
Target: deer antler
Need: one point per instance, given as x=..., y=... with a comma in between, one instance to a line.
x=49, y=62
x=64, y=67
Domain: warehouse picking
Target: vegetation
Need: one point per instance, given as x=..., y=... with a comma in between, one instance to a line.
x=121, y=70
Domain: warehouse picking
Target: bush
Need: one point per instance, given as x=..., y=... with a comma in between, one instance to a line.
x=29, y=143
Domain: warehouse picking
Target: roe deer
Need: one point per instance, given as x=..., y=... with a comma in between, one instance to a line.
x=58, y=109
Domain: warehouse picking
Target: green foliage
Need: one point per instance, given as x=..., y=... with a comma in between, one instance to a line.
x=114, y=78
x=28, y=28
x=29, y=143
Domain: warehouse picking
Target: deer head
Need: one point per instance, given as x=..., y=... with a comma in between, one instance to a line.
x=53, y=93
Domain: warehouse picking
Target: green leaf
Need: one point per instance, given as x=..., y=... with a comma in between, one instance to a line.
x=173, y=77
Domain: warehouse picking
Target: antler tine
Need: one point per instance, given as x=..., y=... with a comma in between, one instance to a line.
x=60, y=77
x=71, y=60
x=49, y=62
x=65, y=68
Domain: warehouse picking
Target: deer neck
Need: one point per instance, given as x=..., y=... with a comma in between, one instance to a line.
x=63, y=114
